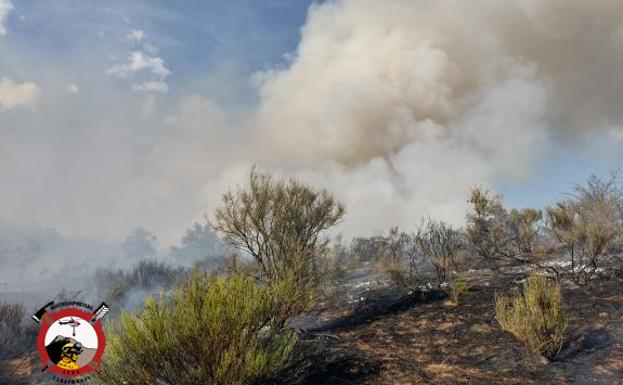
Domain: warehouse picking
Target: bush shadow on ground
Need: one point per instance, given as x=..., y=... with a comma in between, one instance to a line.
x=323, y=362
x=377, y=307
x=582, y=341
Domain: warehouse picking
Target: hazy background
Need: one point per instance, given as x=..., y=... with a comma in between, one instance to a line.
x=139, y=114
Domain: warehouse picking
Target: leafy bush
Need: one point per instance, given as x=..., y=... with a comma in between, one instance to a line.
x=296, y=290
x=210, y=331
x=535, y=317
x=525, y=228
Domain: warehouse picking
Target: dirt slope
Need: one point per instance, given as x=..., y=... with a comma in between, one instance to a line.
x=422, y=339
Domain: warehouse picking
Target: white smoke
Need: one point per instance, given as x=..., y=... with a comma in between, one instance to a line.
x=399, y=107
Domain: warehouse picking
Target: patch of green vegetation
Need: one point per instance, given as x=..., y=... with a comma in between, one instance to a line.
x=219, y=331
x=535, y=316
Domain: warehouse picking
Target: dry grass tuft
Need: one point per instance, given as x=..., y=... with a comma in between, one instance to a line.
x=535, y=317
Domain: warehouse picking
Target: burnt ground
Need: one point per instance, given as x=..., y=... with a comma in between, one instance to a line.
x=421, y=338
x=398, y=338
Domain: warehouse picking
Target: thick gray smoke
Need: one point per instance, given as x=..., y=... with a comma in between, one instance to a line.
x=369, y=78
x=401, y=106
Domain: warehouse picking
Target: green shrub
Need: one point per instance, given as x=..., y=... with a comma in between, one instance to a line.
x=535, y=317
x=213, y=331
x=295, y=292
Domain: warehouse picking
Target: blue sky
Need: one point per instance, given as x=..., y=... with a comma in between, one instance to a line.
x=209, y=49
x=194, y=38
x=142, y=112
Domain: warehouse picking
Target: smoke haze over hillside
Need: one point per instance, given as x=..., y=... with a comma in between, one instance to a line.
x=396, y=107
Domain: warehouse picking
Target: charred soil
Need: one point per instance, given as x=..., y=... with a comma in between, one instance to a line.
x=421, y=338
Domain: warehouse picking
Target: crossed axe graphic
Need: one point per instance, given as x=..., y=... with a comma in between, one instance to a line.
x=41, y=315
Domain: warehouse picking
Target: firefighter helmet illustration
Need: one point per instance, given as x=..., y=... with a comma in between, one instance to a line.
x=71, y=339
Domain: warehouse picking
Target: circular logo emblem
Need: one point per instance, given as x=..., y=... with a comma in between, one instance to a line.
x=71, y=342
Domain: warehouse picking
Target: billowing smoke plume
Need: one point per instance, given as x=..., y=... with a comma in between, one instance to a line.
x=401, y=106
x=398, y=107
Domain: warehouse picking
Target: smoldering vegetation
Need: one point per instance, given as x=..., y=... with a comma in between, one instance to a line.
x=37, y=261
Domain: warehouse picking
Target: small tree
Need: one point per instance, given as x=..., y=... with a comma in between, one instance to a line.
x=279, y=223
x=497, y=235
x=139, y=244
x=211, y=331
x=588, y=226
x=487, y=226
x=441, y=244
x=339, y=260
x=394, y=249
x=201, y=244
x=525, y=226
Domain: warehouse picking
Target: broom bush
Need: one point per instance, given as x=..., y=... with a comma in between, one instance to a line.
x=535, y=317
x=217, y=331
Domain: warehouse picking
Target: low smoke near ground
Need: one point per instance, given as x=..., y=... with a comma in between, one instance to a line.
x=40, y=264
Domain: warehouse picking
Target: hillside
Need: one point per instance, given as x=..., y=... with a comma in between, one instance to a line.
x=394, y=336
x=421, y=338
